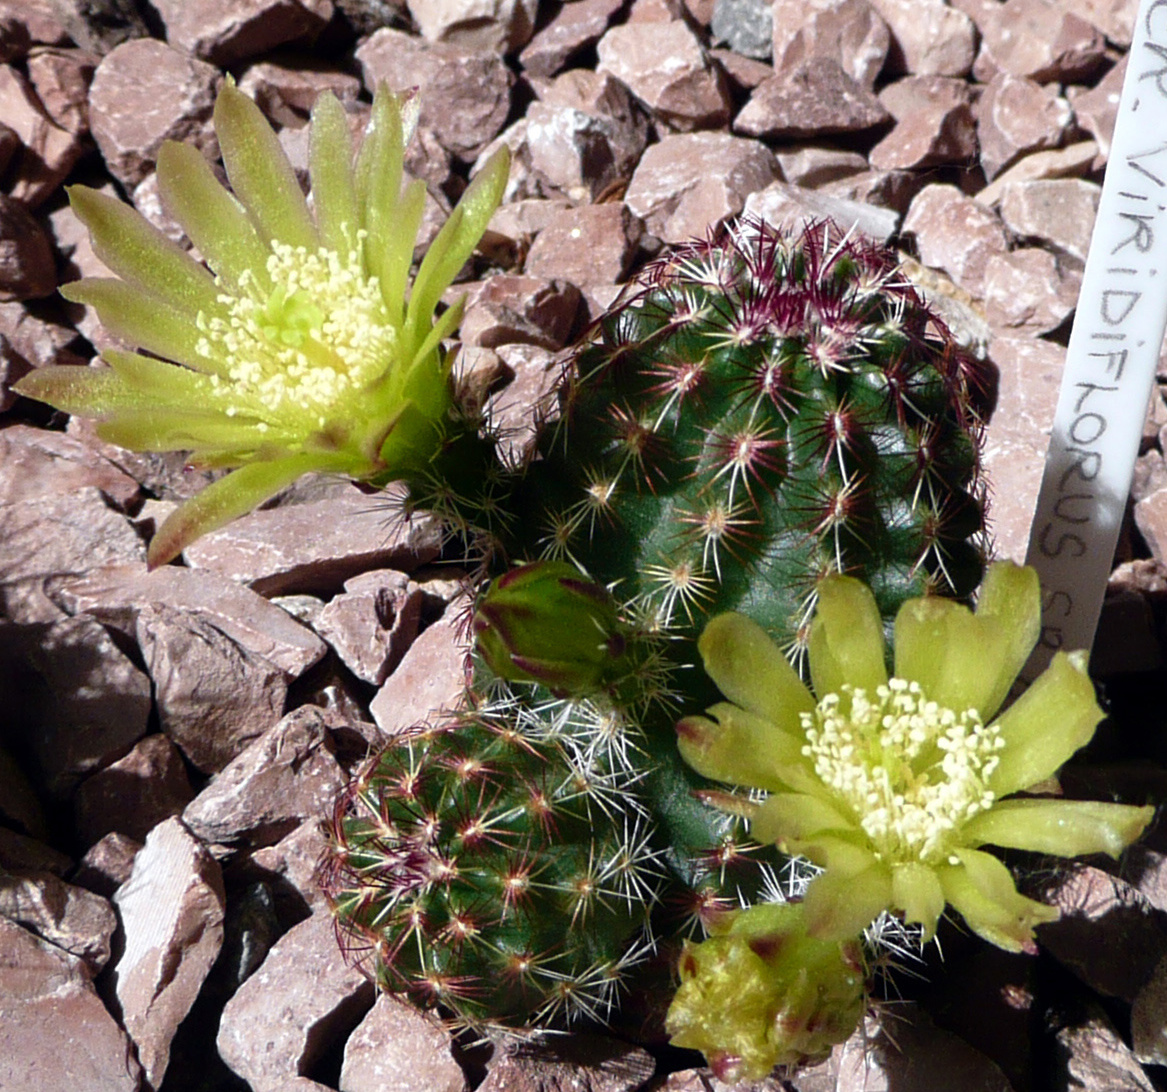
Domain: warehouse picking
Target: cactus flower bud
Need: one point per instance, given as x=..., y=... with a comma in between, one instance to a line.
x=546, y=623
x=760, y=993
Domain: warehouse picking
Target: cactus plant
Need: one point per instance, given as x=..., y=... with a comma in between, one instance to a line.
x=761, y=411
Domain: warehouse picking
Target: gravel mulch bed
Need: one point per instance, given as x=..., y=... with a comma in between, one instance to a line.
x=172, y=742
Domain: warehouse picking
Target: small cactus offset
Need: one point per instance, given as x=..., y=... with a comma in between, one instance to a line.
x=762, y=410
x=498, y=865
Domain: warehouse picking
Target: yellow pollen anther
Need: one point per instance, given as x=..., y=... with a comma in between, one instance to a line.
x=910, y=771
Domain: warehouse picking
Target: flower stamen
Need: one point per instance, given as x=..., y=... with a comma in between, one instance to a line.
x=910, y=771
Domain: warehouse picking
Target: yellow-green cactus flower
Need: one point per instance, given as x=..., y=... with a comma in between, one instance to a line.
x=893, y=784
x=760, y=993
x=303, y=346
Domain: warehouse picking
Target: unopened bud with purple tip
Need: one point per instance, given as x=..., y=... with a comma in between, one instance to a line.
x=547, y=623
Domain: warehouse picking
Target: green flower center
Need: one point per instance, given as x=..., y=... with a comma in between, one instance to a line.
x=298, y=344
x=910, y=771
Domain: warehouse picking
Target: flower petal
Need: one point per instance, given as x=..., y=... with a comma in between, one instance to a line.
x=916, y=890
x=141, y=255
x=750, y=670
x=214, y=220
x=76, y=389
x=741, y=748
x=846, y=638
x=1011, y=594
x=981, y=888
x=1047, y=724
x=390, y=217
x=142, y=319
x=260, y=174
x=786, y=816
x=330, y=165
x=840, y=906
x=957, y=658
x=222, y=501
x=455, y=242
x=1068, y=828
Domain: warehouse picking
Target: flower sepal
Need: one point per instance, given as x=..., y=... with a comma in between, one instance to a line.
x=761, y=992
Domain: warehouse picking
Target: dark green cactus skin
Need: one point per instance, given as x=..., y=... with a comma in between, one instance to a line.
x=760, y=410
x=494, y=865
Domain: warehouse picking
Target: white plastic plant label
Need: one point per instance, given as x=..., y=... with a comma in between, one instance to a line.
x=1111, y=360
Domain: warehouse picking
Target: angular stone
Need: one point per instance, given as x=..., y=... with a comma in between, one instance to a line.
x=1115, y=18
x=789, y=207
x=1037, y=39
x=61, y=79
x=83, y=703
x=1096, y=110
x=574, y=27
x=171, y=910
x=398, y=1049
x=928, y=38
x=1109, y=935
x=293, y=862
x=528, y=398
x=688, y=183
x=465, y=96
x=508, y=308
x=479, y=26
x=35, y=463
x=372, y=623
x=745, y=26
x=955, y=234
x=133, y=794
x=56, y=535
x=1151, y=520
x=1069, y=162
x=107, y=864
x=848, y=32
x=213, y=696
x=47, y=151
x=280, y=779
x=287, y=92
x=18, y=851
x=811, y=166
x=75, y=920
x=908, y=1053
x=145, y=92
x=583, y=1060
x=303, y=998
x=432, y=677
x=934, y=124
x=818, y=99
x=1092, y=1056
x=116, y=594
x=97, y=26
x=1149, y=1019
x=225, y=34
x=1059, y=212
x=315, y=547
x=589, y=121
x=47, y=1000
x=593, y=244
x=885, y=189
x=1016, y=116
x=1029, y=289
x=665, y=67
x=743, y=73
x=28, y=268
x=1017, y=435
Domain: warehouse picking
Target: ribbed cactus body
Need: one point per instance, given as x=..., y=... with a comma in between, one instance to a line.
x=498, y=864
x=764, y=411
x=759, y=411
